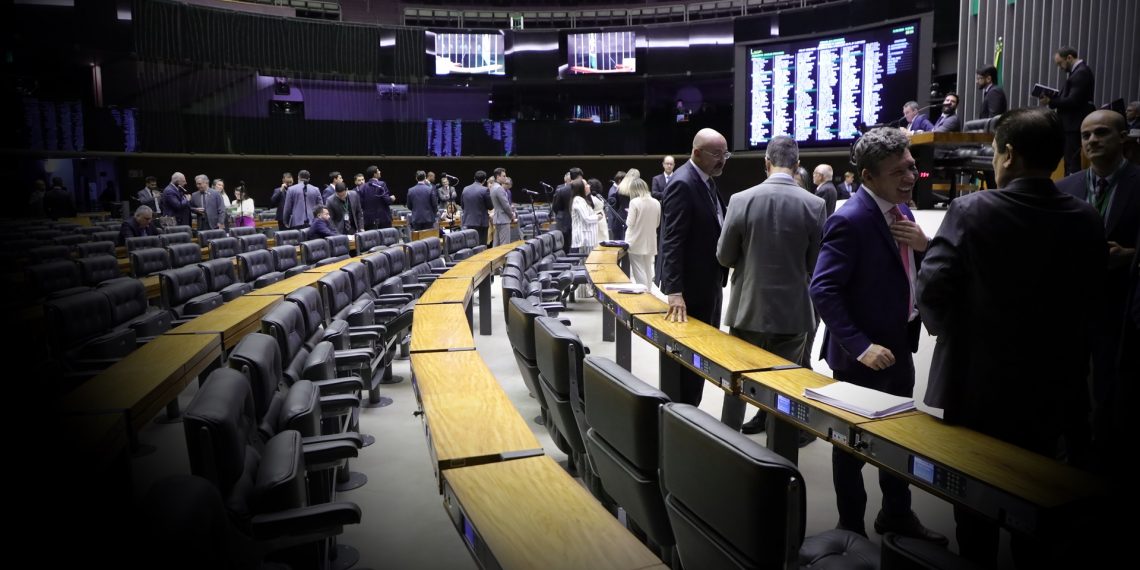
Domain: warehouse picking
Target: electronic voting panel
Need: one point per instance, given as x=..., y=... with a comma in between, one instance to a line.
x=785, y=398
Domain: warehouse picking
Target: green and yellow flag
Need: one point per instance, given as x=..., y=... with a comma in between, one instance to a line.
x=999, y=47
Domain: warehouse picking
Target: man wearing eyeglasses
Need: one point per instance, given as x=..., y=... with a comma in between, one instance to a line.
x=863, y=289
x=692, y=213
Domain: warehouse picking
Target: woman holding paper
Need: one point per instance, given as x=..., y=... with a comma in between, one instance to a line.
x=641, y=231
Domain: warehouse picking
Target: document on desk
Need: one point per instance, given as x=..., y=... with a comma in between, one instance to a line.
x=626, y=287
x=859, y=400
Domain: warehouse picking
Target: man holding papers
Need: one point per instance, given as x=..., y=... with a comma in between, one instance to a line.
x=1014, y=329
x=863, y=289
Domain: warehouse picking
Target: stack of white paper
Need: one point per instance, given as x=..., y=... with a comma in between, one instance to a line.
x=859, y=400
x=626, y=287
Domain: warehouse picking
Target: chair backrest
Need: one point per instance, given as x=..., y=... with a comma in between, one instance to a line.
x=127, y=298
x=390, y=236
x=359, y=278
x=254, y=264
x=366, y=240
x=45, y=253
x=252, y=242
x=183, y=254
x=179, y=230
x=520, y=326
x=207, y=236
x=54, y=276
x=417, y=253
x=77, y=318
x=397, y=260
x=314, y=250
x=177, y=237
x=558, y=352
x=753, y=517
x=336, y=292
x=284, y=257
x=258, y=357
x=70, y=239
x=312, y=307
x=559, y=240
x=219, y=273
x=44, y=234
x=338, y=245
x=96, y=269
x=182, y=284
x=143, y=242
x=377, y=264
x=111, y=236
x=88, y=249
x=453, y=243
x=285, y=324
x=287, y=237
x=472, y=238
x=624, y=417
x=223, y=247
x=148, y=261
x=434, y=248
x=239, y=231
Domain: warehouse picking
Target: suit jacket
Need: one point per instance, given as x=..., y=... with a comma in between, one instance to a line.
x=374, y=200
x=771, y=239
x=560, y=206
x=321, y=229
x=1075, y=101
x=1002, y=365
x=327, y=193
x=501, y=201
x=424, y=203
x=689, y=234
x=277, y=200
x=215, y=210
x=948, y=124
x=131, y=228
x=476, y=201
x=860, y=290
x=1123, y=220
x=829, y=194
x=300, y=200
x=146, y=198
x=993, y=103
x=658, y=184
x=644, y=218
x=175, y=204
x=843, y=192
x=338, y=208
x=921, y=123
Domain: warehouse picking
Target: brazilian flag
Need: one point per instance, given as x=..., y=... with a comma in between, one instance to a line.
x=999, y=47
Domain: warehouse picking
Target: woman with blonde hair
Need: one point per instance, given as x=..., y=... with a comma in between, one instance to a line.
x=641, y=230
x=619, y=203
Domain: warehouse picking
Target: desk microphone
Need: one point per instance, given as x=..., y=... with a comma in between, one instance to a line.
x=529, y=191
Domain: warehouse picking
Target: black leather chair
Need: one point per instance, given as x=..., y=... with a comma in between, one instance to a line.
x=338, y=247
x=287, y=237
x=622, y=444
x=285, y=260
x=178, y=230
x=265, y=483
x=144, y=242
x=178, y=237
x=252, y=242
x=186, y=293
x=45, y=253
x=242, y=231
x=390, y=236
x=91, y=248
x=70, y=240
x=223, y=247
x=58, y=278
x=207, y=236
x=257, y=267
x=473, y=241
x=520, y=331
x=183, y=254
x=369, y=241
x=96, y=269
x=221, y=278
x=108, y=235
x=148, y=261
x=559, y=352
x=455, y=247
x=753, y=515
x=314, y=252
x=83, y=340
x=130, y=310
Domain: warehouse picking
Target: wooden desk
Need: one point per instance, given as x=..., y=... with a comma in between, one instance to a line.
x=447, y=291
x=530, y=514
x=147, y=379
x=479, y=271
x=945, y=139
x=286, y=286
x=435, y=329
x=619, y=310
x=600, y=256
x=607, y=273
x=469, y=269
x=325, y=269
x=153, y=289
x=233, y=320
x=468, y=419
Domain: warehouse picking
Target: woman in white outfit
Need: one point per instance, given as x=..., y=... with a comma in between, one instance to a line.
x=641, y=231
x=584, y=222
x=597, y=200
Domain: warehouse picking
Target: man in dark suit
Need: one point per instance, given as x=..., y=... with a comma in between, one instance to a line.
x=208, y=204
x=916, y=119
x=993, y=97
x=824, y=188
x=375, y=200
x=948, y=121
x=848, y=188
x=1073, y=103
x=345, y=213
x=1111, y=185
x=150, y=196
x=277, y=200
x=863, y=289
x=330, y=190
x=300, y=201
x=692, y=214
x=175, y=202
x=476, y=202
x=1132, y=115
x=657, y=188
x=560, y=208
x=1002, y=365
x=321, y=227
x=423, y=202
x=138, y=225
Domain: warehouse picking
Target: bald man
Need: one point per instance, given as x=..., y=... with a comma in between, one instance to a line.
x=824, y=187
x=692, y=214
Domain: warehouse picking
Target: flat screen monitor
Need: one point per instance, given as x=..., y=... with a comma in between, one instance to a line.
x=468, y=53
x=823, y=90
x=601, y=52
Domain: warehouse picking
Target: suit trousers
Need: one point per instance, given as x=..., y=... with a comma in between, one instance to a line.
x=502, y=235
x=565, y=241
x=1072, y=152
x=851, y=496
x=641, y=268
x=707, y=310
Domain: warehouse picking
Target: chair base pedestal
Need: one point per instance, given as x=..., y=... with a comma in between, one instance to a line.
x=379, y=402
x=346, y=557
x=354, y=480
x=366, y=440
x=390, y=378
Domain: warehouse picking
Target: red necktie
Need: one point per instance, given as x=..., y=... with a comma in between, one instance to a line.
x=904, y=253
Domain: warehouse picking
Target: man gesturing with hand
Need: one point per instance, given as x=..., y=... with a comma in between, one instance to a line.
x=864, y=290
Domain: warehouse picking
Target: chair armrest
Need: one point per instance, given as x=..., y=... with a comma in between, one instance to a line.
x=325, y=519
x=348, y=436
x=338, y=405
x=327, y=454
x=342, y=385
x=393, y=299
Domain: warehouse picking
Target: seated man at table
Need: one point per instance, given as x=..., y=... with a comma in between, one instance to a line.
x=321, y=226
x=139, y=225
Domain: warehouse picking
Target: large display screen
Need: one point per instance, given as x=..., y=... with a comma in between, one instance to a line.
x=471, y=54
x=602, y=52
x=820, y=91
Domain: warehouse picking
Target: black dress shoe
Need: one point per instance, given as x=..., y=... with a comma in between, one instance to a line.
x=756, y=424
x=908, y=526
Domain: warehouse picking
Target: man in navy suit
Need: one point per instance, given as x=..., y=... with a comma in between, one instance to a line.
x=1073, y=103
x=916, y=121
x=993, y=97
x=476, y=202
x=375, y=199
x=657, y=190
x=560, y=206
x=863, y=289
x=1111, y=185
x=423, y=202
x=277, y=200
x=175, y=202
x=849, y=187
x=692, y=214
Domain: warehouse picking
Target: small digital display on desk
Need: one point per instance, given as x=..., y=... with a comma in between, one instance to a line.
x=697, y=361
x=784, y=404
x=649, y=333
x=922, y=469
x=468, y=532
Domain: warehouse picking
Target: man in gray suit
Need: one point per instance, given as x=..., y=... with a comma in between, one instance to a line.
x=209, y=205
x=771, y=239
x=948, y=121
x=504, y=214
x=476, y=201
x=300, y=199
x=824, y=188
